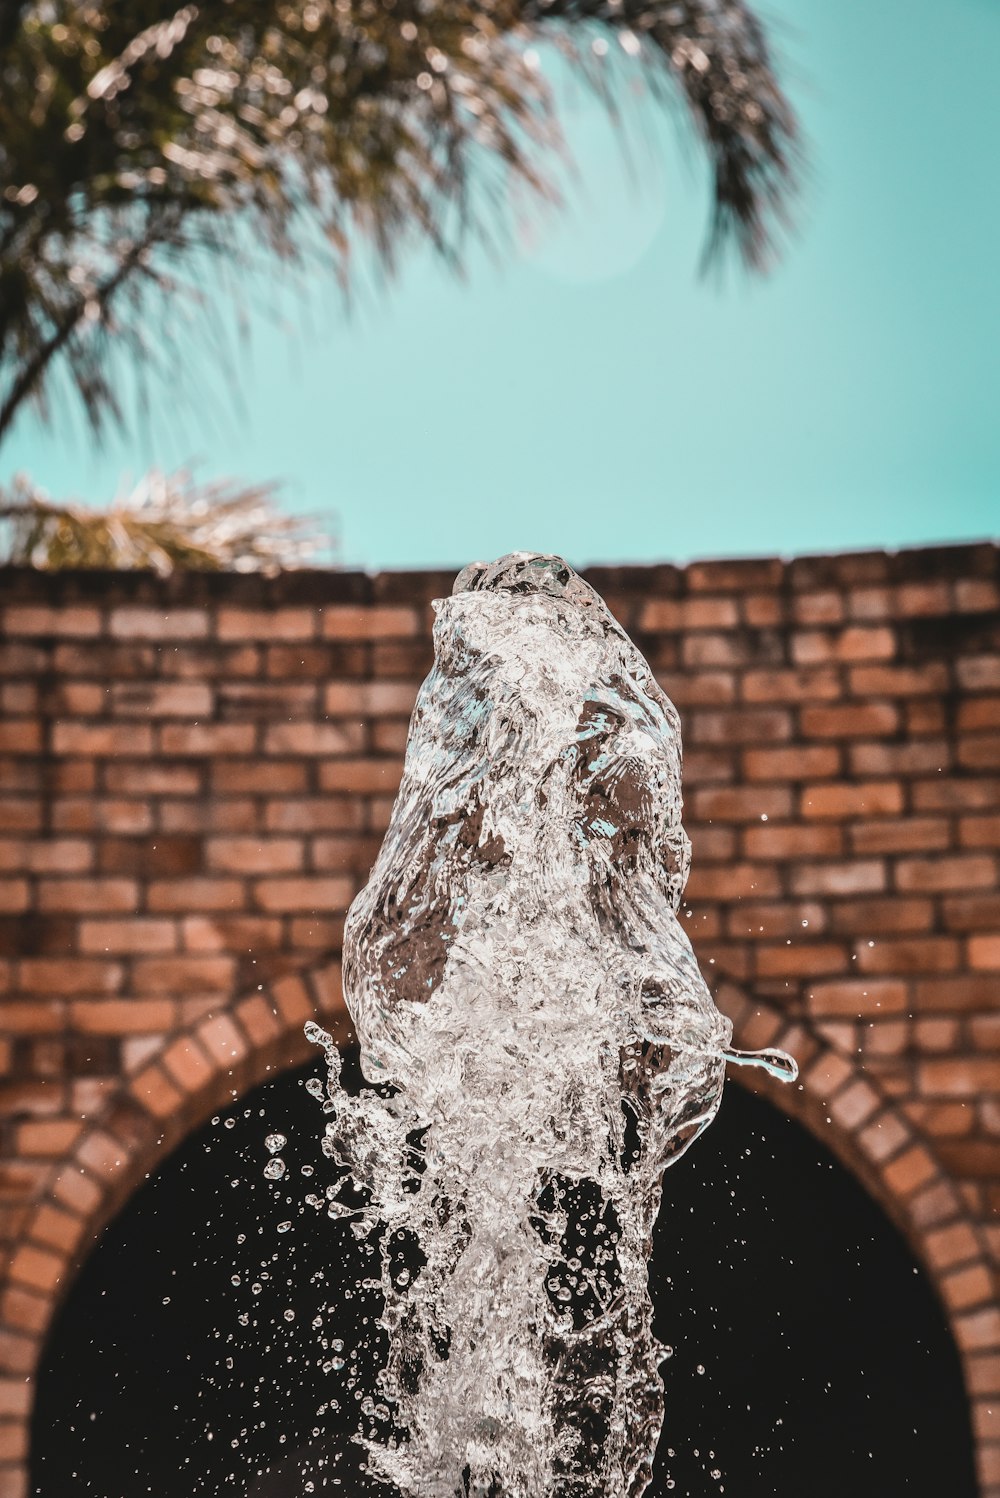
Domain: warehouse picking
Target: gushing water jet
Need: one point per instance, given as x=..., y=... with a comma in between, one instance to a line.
x=543, y=1046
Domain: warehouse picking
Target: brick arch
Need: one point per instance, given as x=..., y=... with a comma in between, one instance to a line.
x=848, y=1110
x=190, y=1073
x=205, y=1066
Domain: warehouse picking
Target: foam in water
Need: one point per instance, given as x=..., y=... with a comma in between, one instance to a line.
x=519, y=980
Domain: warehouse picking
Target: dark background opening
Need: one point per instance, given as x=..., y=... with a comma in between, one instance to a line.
x=811, y=1357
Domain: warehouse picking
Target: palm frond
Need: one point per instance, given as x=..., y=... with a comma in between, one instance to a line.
x=168, y=521
x=128, y=144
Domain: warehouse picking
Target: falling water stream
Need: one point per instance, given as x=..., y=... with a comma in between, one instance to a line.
x=541, y=1045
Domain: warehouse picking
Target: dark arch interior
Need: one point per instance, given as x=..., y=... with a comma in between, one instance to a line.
x=811, y=1357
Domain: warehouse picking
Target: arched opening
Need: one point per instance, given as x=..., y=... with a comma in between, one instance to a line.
x=185, y=1360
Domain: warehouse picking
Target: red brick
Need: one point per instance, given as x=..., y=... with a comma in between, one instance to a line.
x=360, y=775
x=705, y=613
x=38, y=1268
x=855, y=643
x=959, y=1076
x=77, y=1190
x=65, y=976
x=345, y=622
x=801, y=763
x=972, y=912
x=923, y=598
x=87, y=896
x=767, y=919
x=60, y=855
x=944, y=794
x=854, y=1105
x=217, y=814
x=314, y=738
x=914, y=834
x=906, y=1173
x=162, y=699
x=849, y=878
x=189, y=894
x=141, y=934
x=20, y=736
x=978, y=712
x=207, y=738
x=917, y=955
x=930, y=678
x=978, y=1330
x=749, y=725
x=20, y=814
x=259, y=1019
x=857, y=998
x=79, y=621
x=180, y=976
x=292, y=1000
x=912, y=757
x=977, y=595
x=956, y=992
x=984, y=953
x=940, y=1121
x=157, y=1092
x=122, y=1016
x=702, y=689
x=138, y=623
x=887, y=917
x=979, y=832
x=979, y=673
x=850, y=720
x=47, y=1137
x=734, y=576
x=22, y=1018
x=964, y=1288
x=980, y=751
x=250, y=855
x=983, y=1375
x=741, y=803
x=266, y=624
x=763, y=609
x=801, y=959
x=204, y=933
x=56, y=1229
x=220, y=1038
x=271, y=776
x=792, y=840
x=845, y=800
x=939, y=874
x=188, y=1065
x=806, y=684
x=304, y=894
x=69, y=737
x=709, y=766
x=732, y=881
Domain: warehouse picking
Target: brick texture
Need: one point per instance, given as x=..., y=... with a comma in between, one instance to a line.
x=195, y=773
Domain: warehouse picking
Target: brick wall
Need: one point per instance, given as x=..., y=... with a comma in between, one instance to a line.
x=196, y=773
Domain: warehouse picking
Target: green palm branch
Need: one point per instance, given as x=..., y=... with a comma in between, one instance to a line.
x=168, y=521
x=133, y=138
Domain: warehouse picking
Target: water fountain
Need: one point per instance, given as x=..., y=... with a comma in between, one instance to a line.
x=541, y=1045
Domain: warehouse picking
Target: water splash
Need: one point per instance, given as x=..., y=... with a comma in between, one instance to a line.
x=520, y=983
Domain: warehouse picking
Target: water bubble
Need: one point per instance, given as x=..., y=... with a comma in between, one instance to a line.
x=289, y=1315
x=283, y=1227
x=275, y=1142
x=274, y=1169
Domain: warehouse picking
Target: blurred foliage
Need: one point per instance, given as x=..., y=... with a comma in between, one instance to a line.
x=167, y=521
x=134, y=135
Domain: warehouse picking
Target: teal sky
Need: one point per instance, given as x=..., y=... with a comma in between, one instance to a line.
x=593, y=396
